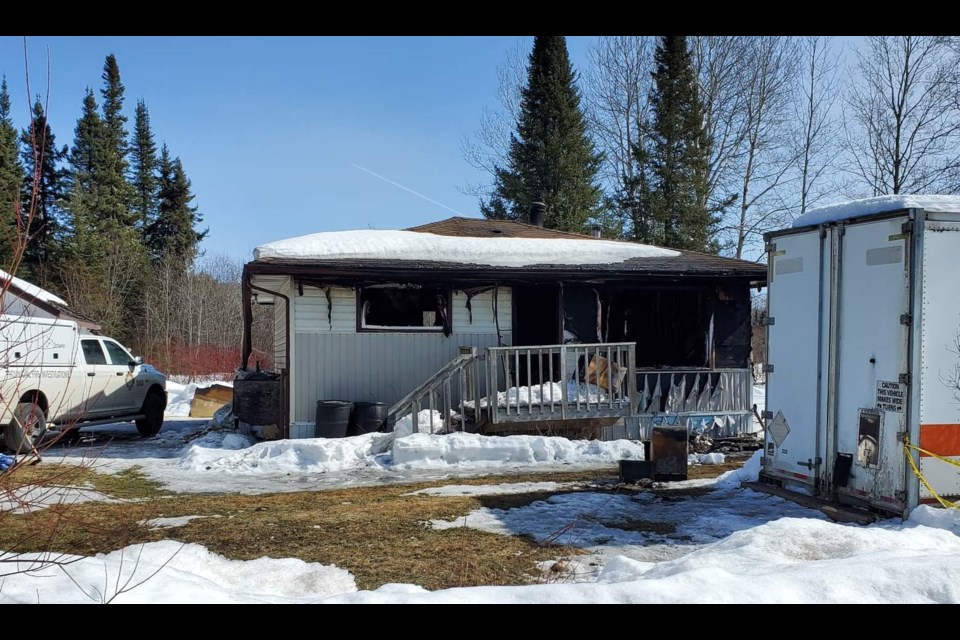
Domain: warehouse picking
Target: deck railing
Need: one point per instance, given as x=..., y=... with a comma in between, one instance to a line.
x=544, y=382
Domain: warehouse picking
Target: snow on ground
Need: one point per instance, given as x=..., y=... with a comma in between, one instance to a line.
x=424, y=451
x=788, y=560
x=180, y=395
x=496, y=252
x=186, y=573
x=170, y=523
x=184, y=458
x=759, y=399
x=502, y=489
x=706, y=458
x=880, y=204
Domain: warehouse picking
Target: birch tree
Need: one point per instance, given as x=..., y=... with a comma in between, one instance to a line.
x=816, y=125
x=765, y=85
x=903, y=129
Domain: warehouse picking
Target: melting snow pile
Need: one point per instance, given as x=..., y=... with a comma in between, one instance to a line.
x=495, y=252
x=422, y=451
x=180, y=396
x=313, y=455
x=387, y=450
x=192, y=574
x=880, y=204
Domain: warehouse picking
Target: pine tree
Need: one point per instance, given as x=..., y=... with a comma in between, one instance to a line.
x=84, y=200
x=678, y=155
x=551, y=157
x=11, y=180
x=116, y=194
x=173, y=234
x=43, y=194
x=143, y=153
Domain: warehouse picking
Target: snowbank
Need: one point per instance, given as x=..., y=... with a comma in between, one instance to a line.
x=416, y=451
x=880, y=204
x=423, y=451
x=791, y=560
x=310, y=455
x=749, y=472
x=495, y=252
x=193, y=575
x=428, y=421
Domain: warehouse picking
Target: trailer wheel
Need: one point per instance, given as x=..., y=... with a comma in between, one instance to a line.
x=152, y=421
x=27, y=428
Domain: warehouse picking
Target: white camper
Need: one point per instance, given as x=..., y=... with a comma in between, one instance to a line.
x=863, y=353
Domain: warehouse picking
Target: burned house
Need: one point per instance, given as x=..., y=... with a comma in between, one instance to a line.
x=500, y=326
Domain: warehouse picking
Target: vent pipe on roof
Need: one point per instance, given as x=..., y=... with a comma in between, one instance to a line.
x=538, y=212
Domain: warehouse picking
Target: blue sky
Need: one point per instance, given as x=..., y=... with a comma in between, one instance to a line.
x=269, y=128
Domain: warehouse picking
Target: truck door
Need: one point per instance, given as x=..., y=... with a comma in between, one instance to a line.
x=872, y=374
x=793, y=446
x=103, y=383
x=127, y=397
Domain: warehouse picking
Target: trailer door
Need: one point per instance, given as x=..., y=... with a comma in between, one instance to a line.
x=793, y=336
x=872, y=376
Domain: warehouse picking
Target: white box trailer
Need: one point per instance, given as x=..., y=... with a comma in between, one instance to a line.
x=863, y=352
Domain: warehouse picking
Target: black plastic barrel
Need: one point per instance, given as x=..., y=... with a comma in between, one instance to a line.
x=367, y=417
x=333, y=417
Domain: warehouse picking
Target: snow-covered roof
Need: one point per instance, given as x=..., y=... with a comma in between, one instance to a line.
x=32, y=291
x=496, y=252
x=881, y=204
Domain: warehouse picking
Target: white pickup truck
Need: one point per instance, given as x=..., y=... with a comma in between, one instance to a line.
x=57, y=376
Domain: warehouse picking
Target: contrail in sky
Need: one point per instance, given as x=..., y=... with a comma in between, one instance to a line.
x=407, y=189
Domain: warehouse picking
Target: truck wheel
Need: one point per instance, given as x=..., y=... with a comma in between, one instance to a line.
x=26, y=429
x=153, y=406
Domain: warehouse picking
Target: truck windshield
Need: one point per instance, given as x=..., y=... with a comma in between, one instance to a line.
x=93, y=352
x=118, y=355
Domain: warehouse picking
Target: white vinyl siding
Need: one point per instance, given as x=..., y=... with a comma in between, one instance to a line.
x=310, y=311
x=479, y=318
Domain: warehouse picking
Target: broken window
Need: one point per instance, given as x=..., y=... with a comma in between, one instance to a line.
x=405, y=307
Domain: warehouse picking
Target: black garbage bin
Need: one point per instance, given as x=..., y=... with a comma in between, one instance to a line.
x=333, y=418
x=367, y=417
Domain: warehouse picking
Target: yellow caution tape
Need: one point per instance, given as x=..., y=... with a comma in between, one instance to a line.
x=916, y=470
x=955, y=463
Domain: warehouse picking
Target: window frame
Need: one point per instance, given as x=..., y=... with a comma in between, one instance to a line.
x=110, y=356
x=445, y=329
x=100, y=346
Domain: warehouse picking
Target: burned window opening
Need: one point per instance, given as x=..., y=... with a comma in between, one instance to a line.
x=408, y=307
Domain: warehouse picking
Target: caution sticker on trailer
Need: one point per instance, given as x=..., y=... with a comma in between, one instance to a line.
x=891, y=396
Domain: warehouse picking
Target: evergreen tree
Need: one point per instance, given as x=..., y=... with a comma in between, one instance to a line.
x=143, y=153
x=116, y=194
x=43, y=193
x=674, y=194
x=84, y=200
x=551, y=158
x=173, y=234
x=11, y=179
